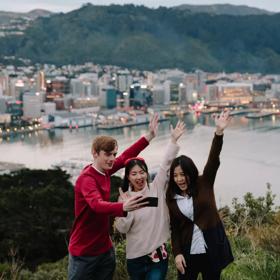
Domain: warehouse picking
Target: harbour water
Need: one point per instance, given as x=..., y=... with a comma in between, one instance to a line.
x=249, y=159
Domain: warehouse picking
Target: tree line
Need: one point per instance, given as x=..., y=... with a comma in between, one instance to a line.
x=143, y=38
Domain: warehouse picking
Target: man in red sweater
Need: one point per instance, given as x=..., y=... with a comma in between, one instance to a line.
x=91, y=252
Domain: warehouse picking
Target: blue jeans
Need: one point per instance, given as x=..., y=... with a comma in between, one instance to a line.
x=99, y=267
x=143, y=268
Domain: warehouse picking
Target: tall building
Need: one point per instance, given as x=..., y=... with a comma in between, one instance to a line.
x=161, y=93
x=76, y=88
x=32, y=104
x=4, y=83
x=108, y=97
x=40, y=81
x=123, y=80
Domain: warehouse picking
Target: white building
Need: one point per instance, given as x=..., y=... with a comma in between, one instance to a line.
x=161, y=93
x=48, y=108
x=123, y=80
x=32, y=104
x=226, y=93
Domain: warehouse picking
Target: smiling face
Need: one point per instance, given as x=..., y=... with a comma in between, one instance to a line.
x=137, y=178
x=105, y=160
x=180, y=179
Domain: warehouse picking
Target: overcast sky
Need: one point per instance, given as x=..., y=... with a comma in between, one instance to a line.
x=68, y=5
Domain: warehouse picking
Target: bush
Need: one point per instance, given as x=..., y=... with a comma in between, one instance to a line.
x=252, y=212
x=251, y=263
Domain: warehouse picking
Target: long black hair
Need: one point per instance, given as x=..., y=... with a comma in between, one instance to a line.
x=129, y=164
x=191, y=173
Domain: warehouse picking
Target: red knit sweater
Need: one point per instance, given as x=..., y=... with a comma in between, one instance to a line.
x=90, y=232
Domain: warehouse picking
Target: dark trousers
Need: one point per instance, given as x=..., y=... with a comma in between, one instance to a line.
x=199, y=263
x=143, y=268
x=99, y=267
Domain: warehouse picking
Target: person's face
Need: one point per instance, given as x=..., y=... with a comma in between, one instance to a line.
x=180, y=179
x=104, y=160
x=137, y=178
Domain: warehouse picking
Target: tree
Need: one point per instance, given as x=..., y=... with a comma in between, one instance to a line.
x=36, y=212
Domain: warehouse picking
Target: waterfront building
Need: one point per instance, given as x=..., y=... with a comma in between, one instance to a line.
x=230, y=93
x=139, y=96
x=57, y=86
x=108, y=97
x=5, y=119
x=14, y=107
x=4, y=103
x=85, y=102
x=32, y=104
x=83, y=88
x=48, y=108
x=161, y=93
x=275, y=90
x=70, y=120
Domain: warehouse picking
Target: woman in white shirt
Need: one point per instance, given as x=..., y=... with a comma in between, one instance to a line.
x=147, y=229
x=198, y=238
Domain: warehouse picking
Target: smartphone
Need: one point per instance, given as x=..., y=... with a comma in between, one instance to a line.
x=153, y=201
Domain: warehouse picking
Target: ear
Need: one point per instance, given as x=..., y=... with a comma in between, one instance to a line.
x=95, y=154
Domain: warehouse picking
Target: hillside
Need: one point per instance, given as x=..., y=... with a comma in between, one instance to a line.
x=139, y=37
x=223, y=9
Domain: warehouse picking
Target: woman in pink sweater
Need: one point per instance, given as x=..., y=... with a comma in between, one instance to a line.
x=147, y=229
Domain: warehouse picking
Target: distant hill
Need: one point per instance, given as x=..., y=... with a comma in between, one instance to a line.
x=143, y=38
x=6, y=17
x=223, y=9
x=38, y=13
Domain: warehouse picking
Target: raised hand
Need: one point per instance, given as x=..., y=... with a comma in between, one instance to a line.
x=222, y=120
x=153, y=127
x=180, y=263
x=177, y=132
x=123, y=195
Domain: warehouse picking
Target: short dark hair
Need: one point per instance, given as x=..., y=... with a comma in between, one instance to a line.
x=103, y=143
x=191, y=173
x=128, y=166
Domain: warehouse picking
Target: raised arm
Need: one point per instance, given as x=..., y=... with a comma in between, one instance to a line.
x=172, y=149
x=221, y=121
x=153, y=128
x=138, y=146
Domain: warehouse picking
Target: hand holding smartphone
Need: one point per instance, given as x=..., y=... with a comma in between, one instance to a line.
x=152, y=201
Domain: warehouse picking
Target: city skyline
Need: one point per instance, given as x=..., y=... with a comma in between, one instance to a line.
x=66, y=6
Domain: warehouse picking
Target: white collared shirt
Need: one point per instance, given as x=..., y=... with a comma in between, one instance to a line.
x=185, y=204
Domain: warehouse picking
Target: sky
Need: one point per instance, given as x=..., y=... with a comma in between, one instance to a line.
x=68, y=5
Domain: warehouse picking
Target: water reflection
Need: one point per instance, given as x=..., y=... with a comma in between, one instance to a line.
x=45, y=138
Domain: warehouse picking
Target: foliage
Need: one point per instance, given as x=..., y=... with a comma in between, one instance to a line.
x=139, y=37
x=253, y=212
x=251, y=263
x=36, y=211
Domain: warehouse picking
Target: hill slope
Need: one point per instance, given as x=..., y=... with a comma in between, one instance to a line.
x=151, y=38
